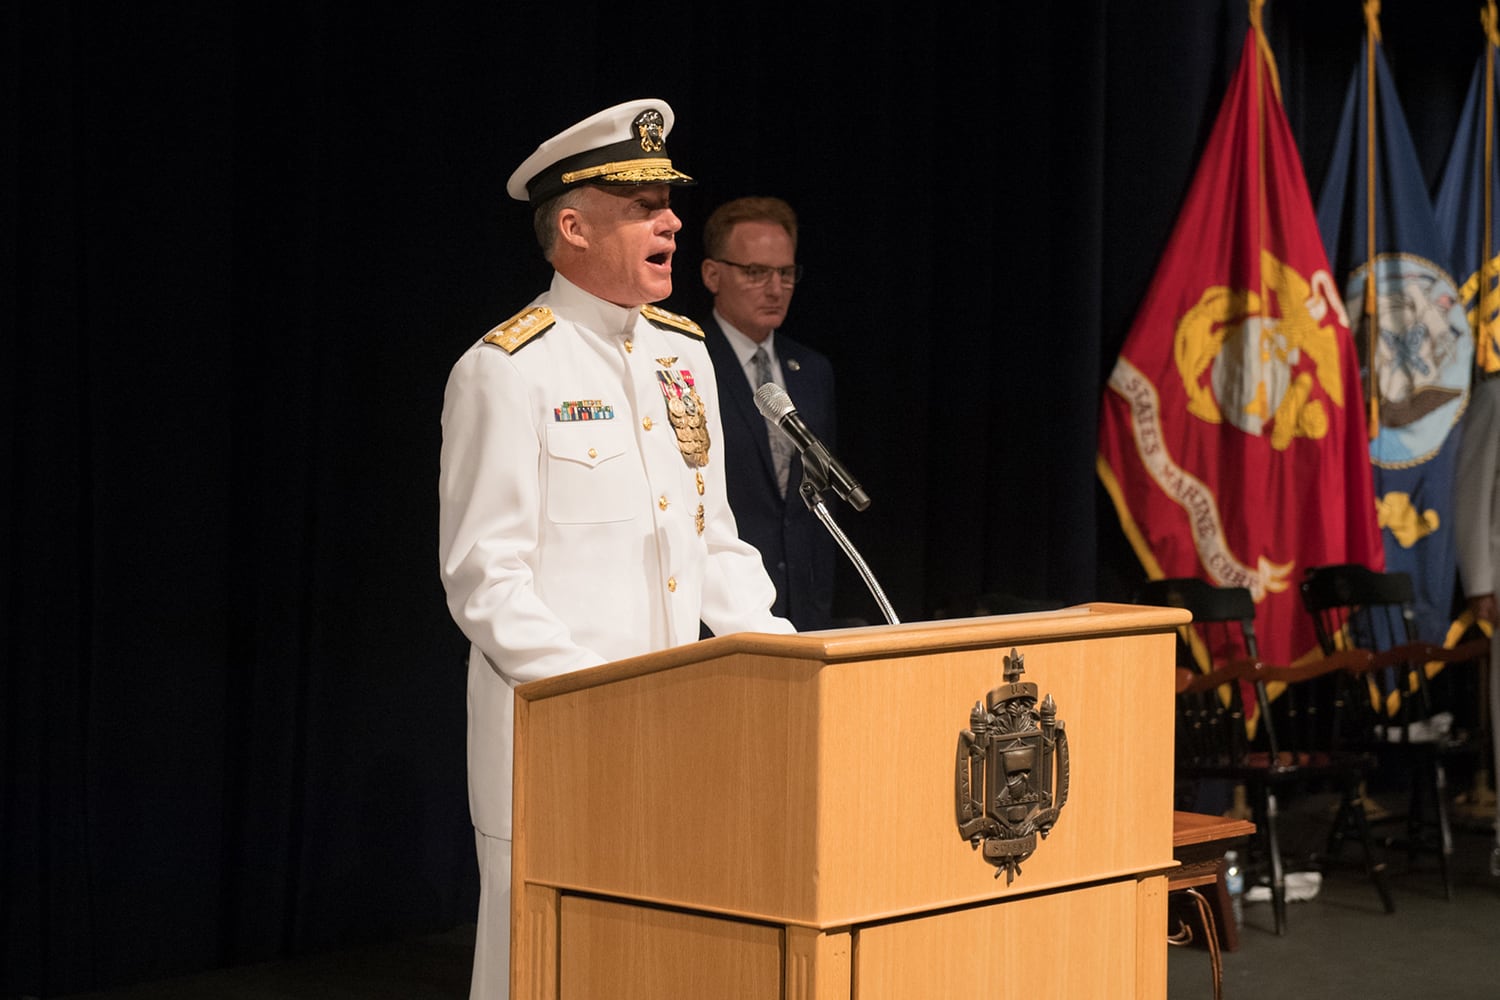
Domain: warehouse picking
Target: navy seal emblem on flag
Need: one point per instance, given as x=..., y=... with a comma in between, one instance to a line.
x=1011, y=772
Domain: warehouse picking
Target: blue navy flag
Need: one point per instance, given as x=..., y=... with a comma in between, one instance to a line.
x=1411, y=333
x=1468, y=210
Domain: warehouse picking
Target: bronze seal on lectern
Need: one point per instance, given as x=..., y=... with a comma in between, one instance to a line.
x=1011, y=772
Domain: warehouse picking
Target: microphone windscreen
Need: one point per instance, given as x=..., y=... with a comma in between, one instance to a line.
x=773, y=402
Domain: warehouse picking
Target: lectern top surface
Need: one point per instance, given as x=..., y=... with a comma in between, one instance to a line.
x=882, y=641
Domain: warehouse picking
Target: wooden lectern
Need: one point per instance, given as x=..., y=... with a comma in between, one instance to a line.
x=759, y=816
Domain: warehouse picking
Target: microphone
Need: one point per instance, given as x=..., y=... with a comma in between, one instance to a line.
x=822, y=468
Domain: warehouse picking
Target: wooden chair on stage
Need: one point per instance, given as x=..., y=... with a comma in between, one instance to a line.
x=1386, y=708
x=1284, y=746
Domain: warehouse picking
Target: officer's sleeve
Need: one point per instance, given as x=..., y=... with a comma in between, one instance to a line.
x=1477, y=513
x=489, y=517
x=737, y=593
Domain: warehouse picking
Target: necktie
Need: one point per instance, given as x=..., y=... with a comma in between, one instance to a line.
x=781, y=445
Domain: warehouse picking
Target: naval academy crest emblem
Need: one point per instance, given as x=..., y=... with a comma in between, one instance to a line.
x=1011, y=772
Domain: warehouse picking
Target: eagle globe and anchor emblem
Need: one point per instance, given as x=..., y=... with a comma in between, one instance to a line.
x=1011, y=772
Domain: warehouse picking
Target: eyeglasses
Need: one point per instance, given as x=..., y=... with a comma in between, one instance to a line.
x=758, y=274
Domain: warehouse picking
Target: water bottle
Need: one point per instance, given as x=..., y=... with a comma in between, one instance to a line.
x=1234, y=881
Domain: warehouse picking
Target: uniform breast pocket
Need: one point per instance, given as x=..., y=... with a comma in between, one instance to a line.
x=592, y=476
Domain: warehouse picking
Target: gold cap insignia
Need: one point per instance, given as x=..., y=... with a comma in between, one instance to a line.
x=651, y=127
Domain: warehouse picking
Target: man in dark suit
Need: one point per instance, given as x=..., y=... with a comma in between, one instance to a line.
x=750, y=267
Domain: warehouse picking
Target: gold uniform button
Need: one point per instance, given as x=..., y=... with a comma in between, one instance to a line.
x=662, y=502
x=593, y=453
x=646, y=423
x=629, y=346
x=672, y=584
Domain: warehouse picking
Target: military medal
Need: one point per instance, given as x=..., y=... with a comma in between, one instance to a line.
x=687, y=413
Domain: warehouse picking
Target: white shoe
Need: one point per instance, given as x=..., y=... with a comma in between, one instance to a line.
x=1299, y=886
x=1302, y=886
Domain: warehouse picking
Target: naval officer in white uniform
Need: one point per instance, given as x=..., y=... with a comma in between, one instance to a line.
x=583, y=514
x=1477, y=514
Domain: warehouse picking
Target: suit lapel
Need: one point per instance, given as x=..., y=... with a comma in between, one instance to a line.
x=738, y=401
x=797, y=387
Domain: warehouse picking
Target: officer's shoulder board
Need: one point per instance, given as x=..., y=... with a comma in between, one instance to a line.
x=521, y=329
x=671, y=321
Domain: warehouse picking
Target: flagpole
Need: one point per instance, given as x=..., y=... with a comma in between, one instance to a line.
x=1240, y=807
x=1263, y=47
x=1266, y=63
x=1240, y=801
x=1372, y=300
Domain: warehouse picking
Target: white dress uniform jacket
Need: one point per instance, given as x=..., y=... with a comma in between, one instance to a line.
x=569, y=543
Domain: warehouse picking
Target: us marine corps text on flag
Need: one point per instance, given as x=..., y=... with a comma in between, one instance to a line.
x=1410, y=330
x=1231, y=437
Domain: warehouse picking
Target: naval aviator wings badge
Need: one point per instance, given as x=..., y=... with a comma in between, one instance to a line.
x=1011, y=772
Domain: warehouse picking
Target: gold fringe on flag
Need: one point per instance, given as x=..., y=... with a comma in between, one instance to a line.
x=1490, y=19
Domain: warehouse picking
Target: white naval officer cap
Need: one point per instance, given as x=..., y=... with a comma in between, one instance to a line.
x=625, y=144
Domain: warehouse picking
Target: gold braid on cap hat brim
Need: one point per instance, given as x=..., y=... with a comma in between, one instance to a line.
x=628, y=171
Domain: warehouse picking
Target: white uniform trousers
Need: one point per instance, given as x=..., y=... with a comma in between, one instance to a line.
x=491, y=979
x=1495, y=732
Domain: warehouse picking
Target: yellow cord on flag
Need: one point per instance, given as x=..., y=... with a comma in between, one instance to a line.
x=1266, y=62
x=1372, y=301
x=1490, y=18
x=1264, y=44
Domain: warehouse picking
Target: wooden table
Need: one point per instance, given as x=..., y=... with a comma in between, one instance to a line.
x=1198, y=843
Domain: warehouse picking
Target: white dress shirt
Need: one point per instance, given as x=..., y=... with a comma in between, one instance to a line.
x=744, y=349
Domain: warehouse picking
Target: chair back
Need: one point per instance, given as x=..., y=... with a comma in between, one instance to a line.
x=1353, y=606
x=1212, y=731
x=1223, y=618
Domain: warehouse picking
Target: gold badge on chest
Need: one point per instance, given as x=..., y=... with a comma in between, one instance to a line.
x=686, y=411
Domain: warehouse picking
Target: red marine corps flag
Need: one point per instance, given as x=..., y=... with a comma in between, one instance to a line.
x=1232, y=437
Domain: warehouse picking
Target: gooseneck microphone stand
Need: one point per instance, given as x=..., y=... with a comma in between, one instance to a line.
x=819, y=469
x=814, y=481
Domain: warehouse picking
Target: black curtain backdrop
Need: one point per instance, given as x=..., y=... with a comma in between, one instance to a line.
x=245, y=243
